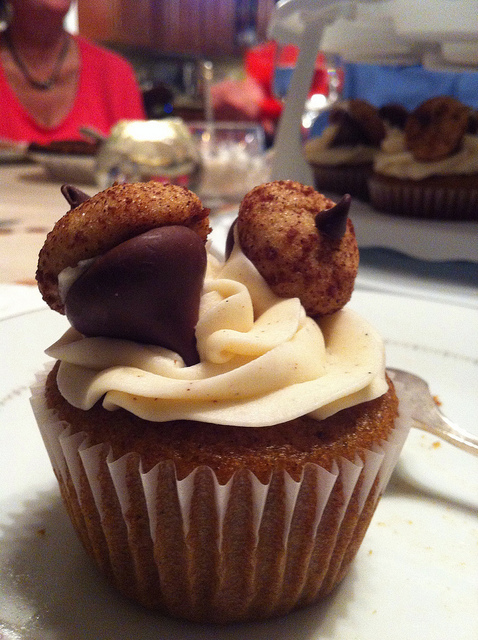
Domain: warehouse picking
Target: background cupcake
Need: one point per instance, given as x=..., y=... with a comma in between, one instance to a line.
x=342, y=157
x=430, y=170
x=200, y=496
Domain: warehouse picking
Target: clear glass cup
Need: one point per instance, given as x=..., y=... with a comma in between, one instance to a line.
x=233, y=160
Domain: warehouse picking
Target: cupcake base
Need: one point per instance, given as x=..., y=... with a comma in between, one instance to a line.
x=201, y=550
x=342, y=179
x=435, y=198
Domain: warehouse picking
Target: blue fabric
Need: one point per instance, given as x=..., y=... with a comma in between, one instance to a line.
x=408, y=86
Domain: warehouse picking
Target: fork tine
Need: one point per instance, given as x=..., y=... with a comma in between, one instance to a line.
x=426, y=414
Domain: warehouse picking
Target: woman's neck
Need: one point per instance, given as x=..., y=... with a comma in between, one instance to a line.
x=40, y=52
x=35, y=30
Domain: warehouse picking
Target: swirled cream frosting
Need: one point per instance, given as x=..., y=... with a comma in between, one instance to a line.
x=396, y=161
x=263, y=361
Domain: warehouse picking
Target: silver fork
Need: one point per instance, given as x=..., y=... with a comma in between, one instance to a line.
x=428, y=417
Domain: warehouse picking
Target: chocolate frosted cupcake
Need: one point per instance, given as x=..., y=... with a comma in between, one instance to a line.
x=342, y=157
x=430, y=170
x=220, y=450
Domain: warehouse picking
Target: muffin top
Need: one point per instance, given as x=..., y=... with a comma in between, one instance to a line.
x=356, y=122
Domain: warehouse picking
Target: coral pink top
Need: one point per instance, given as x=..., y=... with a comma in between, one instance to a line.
x=107, y=92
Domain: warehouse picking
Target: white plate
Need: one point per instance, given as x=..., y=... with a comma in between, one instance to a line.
x=415, y=577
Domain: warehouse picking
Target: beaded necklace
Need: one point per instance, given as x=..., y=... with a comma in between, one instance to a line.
x=41, y=85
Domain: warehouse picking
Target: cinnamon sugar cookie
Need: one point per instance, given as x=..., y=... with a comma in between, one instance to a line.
x=278, y=231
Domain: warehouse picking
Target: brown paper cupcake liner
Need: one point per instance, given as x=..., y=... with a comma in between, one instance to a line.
x=196, y=549
x=415, y=200
x=352, y=179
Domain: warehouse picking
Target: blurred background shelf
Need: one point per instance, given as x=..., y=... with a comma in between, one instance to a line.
x=197, y=27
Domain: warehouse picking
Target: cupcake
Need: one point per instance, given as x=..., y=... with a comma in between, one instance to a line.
x=221, y=435
x=342, y=157
x=430, y=169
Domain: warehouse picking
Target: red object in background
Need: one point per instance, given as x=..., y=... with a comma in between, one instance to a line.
x=260, y=63
x=259, y=97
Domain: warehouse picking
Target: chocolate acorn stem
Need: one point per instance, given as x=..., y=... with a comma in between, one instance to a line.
x=333, y=222
x=73, y=195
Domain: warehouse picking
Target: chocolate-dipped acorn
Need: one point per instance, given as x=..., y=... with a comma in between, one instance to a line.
x=137, y=260
x=301, y=242
x=146, y=289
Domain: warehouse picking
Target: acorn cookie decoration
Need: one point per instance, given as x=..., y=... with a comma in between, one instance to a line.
x=137, y=260
x=434, y=130
x=301, y=242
